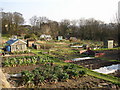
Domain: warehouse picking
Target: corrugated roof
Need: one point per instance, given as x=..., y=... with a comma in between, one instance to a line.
x=12, y=41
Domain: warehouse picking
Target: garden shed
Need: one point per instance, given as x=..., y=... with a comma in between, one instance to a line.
x=45, y=37
x=109, y=43
x=30, y=43
x=60, y=38
x=16, y=45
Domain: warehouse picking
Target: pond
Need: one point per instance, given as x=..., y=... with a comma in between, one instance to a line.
x=108, y=69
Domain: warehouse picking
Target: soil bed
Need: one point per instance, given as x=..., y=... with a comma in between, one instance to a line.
x=111, y=54
x=19, y=69
x=116, y=74
x=95, y=63
x=82, y=82
x=18, y=55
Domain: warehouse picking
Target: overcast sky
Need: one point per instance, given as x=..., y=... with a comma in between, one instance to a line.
x=104, y=10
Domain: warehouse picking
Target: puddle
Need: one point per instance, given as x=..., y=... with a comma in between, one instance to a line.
x=108, y=69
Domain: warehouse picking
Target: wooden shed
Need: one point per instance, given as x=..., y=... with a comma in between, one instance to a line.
x=16, y=45
x=37, y=46
x=30, y=43
x=109, y=43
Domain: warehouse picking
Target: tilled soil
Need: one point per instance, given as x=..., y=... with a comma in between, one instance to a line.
x=116, y=74
x=19, y=69
x=112, y=54
x=18, y=55
x=94, y=63
x=82, y=82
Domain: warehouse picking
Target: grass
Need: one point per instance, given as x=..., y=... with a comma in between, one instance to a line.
x=102, y=58
x=116, y=48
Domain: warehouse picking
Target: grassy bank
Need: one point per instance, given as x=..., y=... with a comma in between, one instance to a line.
x=101, y=49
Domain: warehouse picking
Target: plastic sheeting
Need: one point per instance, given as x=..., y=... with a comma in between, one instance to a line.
x=108, y=69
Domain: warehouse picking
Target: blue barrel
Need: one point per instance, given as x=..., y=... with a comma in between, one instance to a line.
x=8, y=48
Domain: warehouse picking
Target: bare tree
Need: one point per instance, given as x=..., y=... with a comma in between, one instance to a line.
x=17, y=20
x=33, y=20
x=11, y=22
x=64, y=28
x=118, y=23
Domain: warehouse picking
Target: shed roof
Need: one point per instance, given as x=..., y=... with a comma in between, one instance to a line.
x=12, y=41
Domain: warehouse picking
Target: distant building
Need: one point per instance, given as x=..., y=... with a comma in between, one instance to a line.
x=45, y=37
x=16, y=45
x=109, y=43
x=60, y=38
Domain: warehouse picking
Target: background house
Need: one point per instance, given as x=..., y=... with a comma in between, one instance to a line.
x=16, y=45
x=45, y=37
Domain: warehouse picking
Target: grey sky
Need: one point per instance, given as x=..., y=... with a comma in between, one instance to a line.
x=104, y=10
